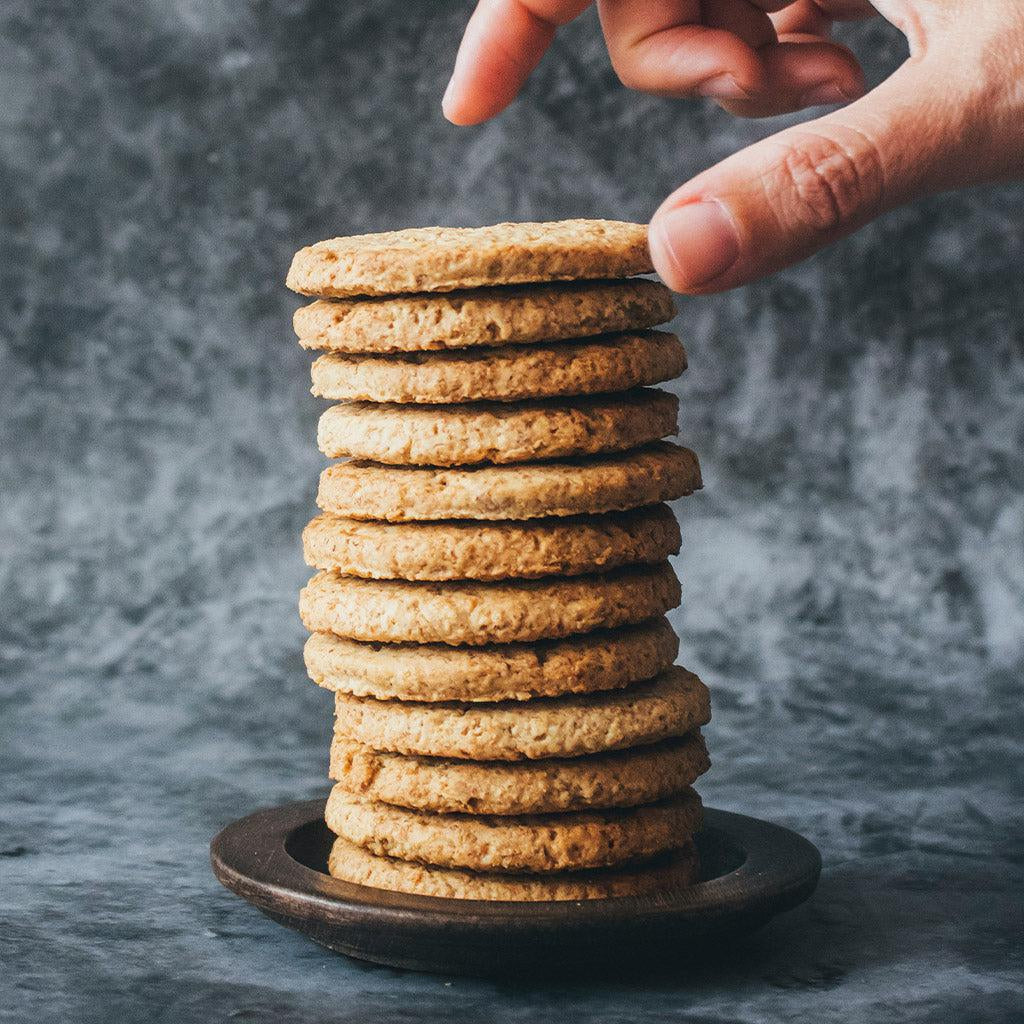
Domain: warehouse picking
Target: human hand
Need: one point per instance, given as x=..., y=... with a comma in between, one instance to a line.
x=952, y=115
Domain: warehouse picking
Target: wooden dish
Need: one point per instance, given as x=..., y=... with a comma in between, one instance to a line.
x=750, y=871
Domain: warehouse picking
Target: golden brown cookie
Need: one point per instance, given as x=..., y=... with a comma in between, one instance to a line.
x=676, y=870
x=443, y=259
x=365, y=490
x=468, y=612
x=673, y=704
x=475, y=550
x=496, y=432
x=616, y=362
x=487, y=316
x=603, y=660
x=623, y=778
x=541, y=842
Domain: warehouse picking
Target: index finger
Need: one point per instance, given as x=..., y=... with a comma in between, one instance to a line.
x=504, y=41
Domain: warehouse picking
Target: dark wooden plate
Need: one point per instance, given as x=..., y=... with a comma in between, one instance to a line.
x=750, y=871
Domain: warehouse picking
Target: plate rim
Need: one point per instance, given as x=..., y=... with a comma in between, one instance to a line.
x=279, y=884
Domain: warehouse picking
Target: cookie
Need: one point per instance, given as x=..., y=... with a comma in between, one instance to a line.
x=676, y=870
x=495, y=432
x=623, y=778
x=444, y=259
x=540, y=843
x=603, y=660
x=616, y=362
x=475, y=550
x=673, y=704
x=365, y=490
x=469, y=612
x=487, y=316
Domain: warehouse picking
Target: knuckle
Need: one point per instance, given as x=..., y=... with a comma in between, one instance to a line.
x=830, y=183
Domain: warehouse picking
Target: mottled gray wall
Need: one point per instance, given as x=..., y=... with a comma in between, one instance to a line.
x=853, y=574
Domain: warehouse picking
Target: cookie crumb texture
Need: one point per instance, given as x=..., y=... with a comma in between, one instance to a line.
x=487, y=316
x=617, y=362
x=623, y=778
x=496, y=433
x=598, y=661
x=367, y=490
x=668, y=873
x=492, y=576
x=673, y=704
x=438, y=259
x=490, y=551
x=469, y=612
x=537, y=843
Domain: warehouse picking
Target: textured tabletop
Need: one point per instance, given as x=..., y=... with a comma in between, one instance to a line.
x=853, y=574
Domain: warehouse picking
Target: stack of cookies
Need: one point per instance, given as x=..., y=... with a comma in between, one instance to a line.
x=489, y=606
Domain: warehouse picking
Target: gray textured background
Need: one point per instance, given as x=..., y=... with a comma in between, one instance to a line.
x=853, y=574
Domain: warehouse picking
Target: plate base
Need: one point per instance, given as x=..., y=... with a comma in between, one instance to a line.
x=750, y=871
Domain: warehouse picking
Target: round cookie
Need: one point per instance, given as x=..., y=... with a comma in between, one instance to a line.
x=365, y=490
x=494, y=432
x=615, y=362
x=443, y=259
x=623, y=778
x=678, y=869
x=673, y=704
x=487, y=316
x=538, y=843
x=469, y=612
x=603, y=660
x=475, y=550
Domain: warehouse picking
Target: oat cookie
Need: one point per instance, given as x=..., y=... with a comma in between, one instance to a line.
x=365, y=490
x=603, y=660
x=487, y=316
x=623, y=778
x=541, y=843
x=615, y=362
x=443, y=259
x=676, y=870
x=496, y=432
x=673, y=704
x=470, y=612
x=471, y=549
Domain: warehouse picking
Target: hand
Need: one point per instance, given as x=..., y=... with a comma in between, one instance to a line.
x=952, y=115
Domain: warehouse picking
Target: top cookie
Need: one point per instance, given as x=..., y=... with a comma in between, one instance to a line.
x=446, y=259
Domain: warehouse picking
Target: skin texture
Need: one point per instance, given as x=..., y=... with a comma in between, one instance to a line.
x=949, y=117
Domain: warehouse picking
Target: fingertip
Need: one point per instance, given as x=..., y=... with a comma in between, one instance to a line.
x=464, y=108
x=448, y=108
x=693, y=245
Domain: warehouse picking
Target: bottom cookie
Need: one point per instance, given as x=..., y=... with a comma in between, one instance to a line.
x=667, y=873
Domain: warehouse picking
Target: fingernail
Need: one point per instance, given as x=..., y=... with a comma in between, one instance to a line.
x=696, y=243
x=447, y=93
x=825, y=94
x=722, y=87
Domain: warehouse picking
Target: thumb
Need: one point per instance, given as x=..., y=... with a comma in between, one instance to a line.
x=780, y=200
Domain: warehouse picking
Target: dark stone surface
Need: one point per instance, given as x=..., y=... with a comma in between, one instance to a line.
x=853, y=574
